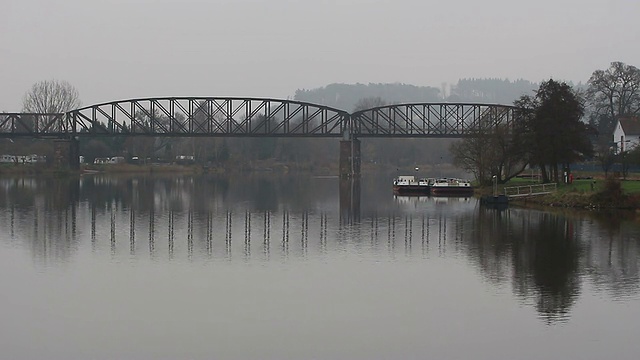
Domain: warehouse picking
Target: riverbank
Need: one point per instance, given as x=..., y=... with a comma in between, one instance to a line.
x=599, y=200
x=163, y=168
x=588, y=193
x=330, y=169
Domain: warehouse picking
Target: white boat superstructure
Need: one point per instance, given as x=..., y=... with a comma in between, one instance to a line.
x=409, y=184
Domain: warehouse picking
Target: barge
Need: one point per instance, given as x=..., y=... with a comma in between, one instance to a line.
x=451, y=187
x=410, y=185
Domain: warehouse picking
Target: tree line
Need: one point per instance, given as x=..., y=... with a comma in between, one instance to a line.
x=559, y=126
x=562, y=124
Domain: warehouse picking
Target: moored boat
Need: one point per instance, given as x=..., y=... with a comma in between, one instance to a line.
x=410, y=185
x=451, y=187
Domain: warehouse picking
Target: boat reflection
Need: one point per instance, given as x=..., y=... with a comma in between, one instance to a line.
x=414, y=200
x=546, y=257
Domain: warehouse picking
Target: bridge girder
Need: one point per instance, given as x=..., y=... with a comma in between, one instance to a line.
x=259, y=117
x=184, y=117
x=433, y=119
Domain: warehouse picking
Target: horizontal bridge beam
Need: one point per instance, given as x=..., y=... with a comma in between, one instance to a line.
x=257, y=117
x=433, y=120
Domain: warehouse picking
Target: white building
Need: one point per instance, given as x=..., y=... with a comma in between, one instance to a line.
x=23, y=159
x=10, y=159
x=626, y=135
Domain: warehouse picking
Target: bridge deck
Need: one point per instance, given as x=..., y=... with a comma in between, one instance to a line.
x=256, y=117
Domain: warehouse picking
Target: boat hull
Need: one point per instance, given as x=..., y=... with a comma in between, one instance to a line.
x=452, y=190
x=411, y=190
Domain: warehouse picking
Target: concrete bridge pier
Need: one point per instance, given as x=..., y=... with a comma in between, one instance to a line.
x=66, y=153
x=350, y=158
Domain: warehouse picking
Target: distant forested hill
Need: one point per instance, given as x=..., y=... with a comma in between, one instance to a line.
x=345, y=96
x=409, y=153
x=495, y=91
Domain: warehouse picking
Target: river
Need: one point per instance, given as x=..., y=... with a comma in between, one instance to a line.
x=268, y=266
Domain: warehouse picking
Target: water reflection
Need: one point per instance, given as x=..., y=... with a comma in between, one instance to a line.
x=538, y=251
x=350, y=200
x=545, y=258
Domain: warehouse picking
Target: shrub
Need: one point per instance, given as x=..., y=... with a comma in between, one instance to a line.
x=611, y=194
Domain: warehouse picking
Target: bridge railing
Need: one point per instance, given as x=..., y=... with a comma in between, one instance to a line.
x=530, y=190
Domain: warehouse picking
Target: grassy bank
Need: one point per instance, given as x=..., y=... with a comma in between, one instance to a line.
x=588, y=193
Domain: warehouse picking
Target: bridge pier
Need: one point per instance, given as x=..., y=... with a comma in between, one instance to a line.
x=350, y=158
x=66, y=153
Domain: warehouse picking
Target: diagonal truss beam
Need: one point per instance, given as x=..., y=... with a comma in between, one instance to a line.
x=432, y=119
x=259, y=117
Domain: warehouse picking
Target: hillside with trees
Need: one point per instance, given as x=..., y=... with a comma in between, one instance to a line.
x=492, y=91
x=408, y=153
x=346, y=96
x=551, y=136
x=322, y=154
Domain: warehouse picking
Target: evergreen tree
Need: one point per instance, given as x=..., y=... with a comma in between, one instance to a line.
x=554, y=134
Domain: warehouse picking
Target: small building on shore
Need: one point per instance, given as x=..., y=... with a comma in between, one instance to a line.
x=626, y=134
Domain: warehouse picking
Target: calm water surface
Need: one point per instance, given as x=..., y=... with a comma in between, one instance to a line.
x=297, y=267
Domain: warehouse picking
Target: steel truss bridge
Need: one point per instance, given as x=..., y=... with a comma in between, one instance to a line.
x=258, y=117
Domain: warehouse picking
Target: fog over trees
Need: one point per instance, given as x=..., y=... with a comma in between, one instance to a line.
x=305, y=153
x=408, y=153
x=550, y=135
x=610, y=92
x=346, y=96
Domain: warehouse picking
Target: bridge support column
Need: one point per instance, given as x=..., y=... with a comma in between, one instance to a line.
x=350, y=158
x=66, y=153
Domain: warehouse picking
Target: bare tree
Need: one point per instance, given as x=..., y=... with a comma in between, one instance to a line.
x=489, y=151
x=51, y=96
x=614, y=92
x=606, y=157
x=369, y=103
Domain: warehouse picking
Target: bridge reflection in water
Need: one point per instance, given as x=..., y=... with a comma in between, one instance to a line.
x=252, y=233
x=545, y=257
x=56, y=216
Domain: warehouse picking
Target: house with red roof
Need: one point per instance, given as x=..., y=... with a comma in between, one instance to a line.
x=626, y=135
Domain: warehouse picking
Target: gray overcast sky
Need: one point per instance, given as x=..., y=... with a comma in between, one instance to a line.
x=117, y=49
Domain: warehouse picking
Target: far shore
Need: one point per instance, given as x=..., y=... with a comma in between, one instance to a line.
x=231, y=167
x=589, y=191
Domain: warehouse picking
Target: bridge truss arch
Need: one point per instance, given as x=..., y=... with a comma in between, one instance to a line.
x=452, y=120
x=260, y=117
x=184, y=117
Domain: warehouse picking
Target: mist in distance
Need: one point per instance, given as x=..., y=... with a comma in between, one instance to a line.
x=118, y=49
